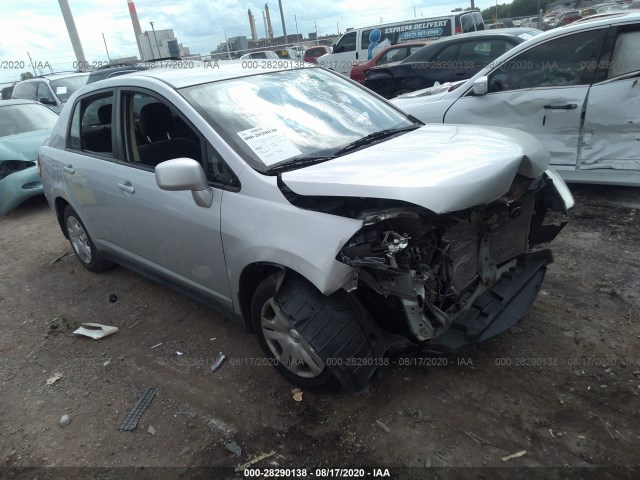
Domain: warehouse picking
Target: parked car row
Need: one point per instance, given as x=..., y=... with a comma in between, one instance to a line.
x=24, y=126
x=577, y=89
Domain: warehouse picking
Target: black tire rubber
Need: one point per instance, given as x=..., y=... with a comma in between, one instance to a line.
x=266, y=291
x=340, y=329
x=98, y=263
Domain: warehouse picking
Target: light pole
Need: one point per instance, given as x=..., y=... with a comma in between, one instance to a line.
x=156, y=38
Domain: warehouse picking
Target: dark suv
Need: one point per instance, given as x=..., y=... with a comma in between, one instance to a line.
x=447, y=60
x=54, y=90
x=50, y=90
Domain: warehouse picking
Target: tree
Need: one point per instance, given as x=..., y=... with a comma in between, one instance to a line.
x=26, y=75
x=517, y=8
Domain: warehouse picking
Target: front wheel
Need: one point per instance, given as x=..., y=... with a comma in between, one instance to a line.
x=82, y=244
x=290, y=352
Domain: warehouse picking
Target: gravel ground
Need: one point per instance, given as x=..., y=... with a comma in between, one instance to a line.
x=563, y=386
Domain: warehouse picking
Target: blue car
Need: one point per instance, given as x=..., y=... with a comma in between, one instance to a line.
x=24, y=126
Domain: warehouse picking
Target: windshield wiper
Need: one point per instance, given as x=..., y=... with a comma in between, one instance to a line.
x=300, y=162
x=374, y=137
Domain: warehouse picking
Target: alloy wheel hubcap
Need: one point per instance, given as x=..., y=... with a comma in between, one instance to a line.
x=79, y=240
x=288, y=346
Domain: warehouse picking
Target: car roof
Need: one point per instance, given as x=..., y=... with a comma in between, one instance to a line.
x=18, y=101
x=511, y=31
x=624, y=17
x=185, y=77
x=54, y=76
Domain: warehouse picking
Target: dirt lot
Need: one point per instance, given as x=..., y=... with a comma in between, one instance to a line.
x=564, y=385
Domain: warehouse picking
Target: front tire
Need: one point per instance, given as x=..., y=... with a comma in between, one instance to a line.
x=292, y=355
x=82, y=244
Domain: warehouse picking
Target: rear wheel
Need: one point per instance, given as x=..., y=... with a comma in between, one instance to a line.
x=292, y=355
x=82, y=244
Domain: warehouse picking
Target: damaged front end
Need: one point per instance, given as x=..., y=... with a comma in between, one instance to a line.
x=457, y=278
x=19, y=180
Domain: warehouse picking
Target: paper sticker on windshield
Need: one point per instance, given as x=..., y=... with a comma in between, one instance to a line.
x=269, y=145
x=61, y=90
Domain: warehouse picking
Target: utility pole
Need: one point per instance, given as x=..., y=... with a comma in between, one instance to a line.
x=226, y=42
x=284, y=28
x=31, y=62
x=153, y=55
x=156, y=38
x=295, y=17
x=105, y=47
x=315, y=22
x=73, y=33
x=338, y=27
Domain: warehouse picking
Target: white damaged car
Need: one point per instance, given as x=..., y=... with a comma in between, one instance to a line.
x=575, y=88
x=328, y=221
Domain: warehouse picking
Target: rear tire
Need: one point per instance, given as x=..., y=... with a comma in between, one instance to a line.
x=82, y=244
x=293, y=357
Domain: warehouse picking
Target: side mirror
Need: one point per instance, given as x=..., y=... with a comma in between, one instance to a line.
x=339, y=49
x=185, y=174
x=47, y=101
x=481, y=85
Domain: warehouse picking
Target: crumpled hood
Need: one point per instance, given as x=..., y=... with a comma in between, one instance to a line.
x=23, y=146
x=443, y=168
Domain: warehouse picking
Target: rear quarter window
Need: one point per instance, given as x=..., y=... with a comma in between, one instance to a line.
x=25, y=91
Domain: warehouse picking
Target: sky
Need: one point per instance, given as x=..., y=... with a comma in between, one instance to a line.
x=36, y=28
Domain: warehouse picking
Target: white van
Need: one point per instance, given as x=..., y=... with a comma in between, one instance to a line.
x=359, y=45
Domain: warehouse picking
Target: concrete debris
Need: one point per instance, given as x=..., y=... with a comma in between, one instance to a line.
x=64, y=420
x=234, y=448
x=54, y=379
x=514, y=455
x=218, y=363
x=383, y=426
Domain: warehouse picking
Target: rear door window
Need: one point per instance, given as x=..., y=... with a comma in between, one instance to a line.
x=25, y=90
x=92, y=125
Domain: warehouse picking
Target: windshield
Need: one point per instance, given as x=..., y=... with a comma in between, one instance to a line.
x=65, y=87
x=290, y=116
x=16, y=119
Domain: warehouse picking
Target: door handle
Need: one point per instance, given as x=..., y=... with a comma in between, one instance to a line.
x=69, y=169
x=571, y=106
x=126, y=187
x=459, y=74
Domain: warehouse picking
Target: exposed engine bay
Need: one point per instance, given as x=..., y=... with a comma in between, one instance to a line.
x=438, y=266
x=469, y=274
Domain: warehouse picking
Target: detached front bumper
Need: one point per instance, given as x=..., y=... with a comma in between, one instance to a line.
x=500, y=308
